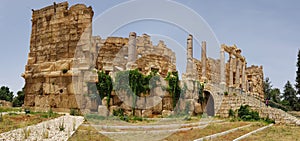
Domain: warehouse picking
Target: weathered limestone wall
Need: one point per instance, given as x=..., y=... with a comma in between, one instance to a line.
x=212, y=70
x=113, y=55
x=255, y=77
x=111, y=51
x=63, y=53
x=56, y=30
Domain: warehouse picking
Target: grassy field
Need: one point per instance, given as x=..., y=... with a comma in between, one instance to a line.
x=233, y=135
x=13, y=121
x=10, y=109
x=277, y=133
x=209, y=130
x=86, y=133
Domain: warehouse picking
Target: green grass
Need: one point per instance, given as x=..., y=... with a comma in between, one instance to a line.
x=10, y=109
x=277, y=133
x=13, y=121
x=208, y=130
x=88, y=133
x=94, y=116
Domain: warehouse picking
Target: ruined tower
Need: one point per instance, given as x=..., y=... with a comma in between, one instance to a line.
x=56, y=32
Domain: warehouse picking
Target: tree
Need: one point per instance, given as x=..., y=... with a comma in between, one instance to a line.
x=6, y=94
x=18, y=101
x=267, y=87
x=271, y=93
x=289, y=95
x=298, y=74
x=275, y=95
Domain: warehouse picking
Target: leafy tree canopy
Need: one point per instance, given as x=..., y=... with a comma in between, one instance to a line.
x=6, y=94
x=289, y=96
x=18, y=101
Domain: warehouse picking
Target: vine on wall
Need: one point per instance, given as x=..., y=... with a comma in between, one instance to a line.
x=173, y=86
x=135, y=84
x=104, y=86
x=200, y=92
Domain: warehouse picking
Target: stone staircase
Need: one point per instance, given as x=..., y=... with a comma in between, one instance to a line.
x=235, y=100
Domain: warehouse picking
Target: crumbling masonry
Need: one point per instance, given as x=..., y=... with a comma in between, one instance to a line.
x=64, y=55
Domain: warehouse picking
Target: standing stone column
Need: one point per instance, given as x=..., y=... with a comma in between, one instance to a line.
x=203, y=60
x=222, y=66
x=237, y=73
x=189, y=68
x=244, y=76
x=132, y=53
x=230, y=70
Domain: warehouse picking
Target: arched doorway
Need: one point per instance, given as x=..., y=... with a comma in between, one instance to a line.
x=209, y=104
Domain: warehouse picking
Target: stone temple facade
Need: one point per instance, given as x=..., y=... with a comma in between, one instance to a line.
x=64, y=58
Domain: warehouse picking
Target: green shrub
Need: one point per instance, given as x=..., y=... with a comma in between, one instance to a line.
x=50, y=113
x=118, y=112
x=74, y=112
x=226, y=93
x=231, y=113
x=268, y=120
x=135, y=118
x=247, y=115
x=255, y=115
x=125, y=118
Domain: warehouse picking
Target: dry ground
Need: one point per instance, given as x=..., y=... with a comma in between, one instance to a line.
x=13, y=121
x=88, y=133
x=277, y=133
x=209, y=130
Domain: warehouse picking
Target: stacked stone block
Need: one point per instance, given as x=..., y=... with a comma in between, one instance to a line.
x=56, y=32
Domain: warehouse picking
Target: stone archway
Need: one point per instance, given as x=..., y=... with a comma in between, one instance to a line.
x=209, y=103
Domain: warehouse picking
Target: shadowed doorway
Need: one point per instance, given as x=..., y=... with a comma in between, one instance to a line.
x=209, y=101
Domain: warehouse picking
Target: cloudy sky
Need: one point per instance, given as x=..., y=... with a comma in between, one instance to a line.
x=267, y=31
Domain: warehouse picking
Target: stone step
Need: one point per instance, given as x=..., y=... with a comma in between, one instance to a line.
x=151, y=127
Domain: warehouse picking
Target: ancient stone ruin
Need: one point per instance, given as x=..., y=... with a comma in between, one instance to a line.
x=64, y=58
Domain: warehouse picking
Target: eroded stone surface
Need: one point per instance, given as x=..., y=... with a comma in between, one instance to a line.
x=64, y=57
